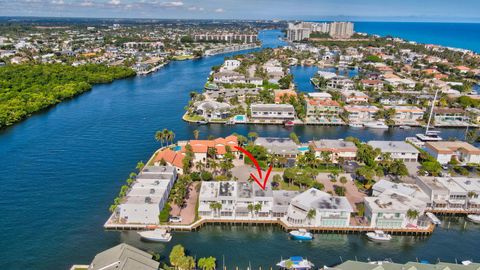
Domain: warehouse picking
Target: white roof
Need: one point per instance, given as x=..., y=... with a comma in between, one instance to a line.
x=400, y=188
x=394, y=202
x=393, y=146
x=322, y=201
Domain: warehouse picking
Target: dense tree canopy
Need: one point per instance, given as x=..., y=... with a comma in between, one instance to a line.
x=25, y=89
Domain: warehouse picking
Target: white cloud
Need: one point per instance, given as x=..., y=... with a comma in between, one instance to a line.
x=57, y=2
x=172, y=4
x=219, y=10
x=114, y=2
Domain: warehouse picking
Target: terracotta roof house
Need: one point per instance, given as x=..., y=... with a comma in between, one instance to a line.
x=462, y=151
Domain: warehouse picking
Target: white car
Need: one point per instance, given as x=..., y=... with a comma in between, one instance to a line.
x=175, y=219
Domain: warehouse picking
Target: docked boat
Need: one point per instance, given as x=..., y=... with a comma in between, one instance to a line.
x=376, y=125
x=355, y=125
x=202, y=122
x=379, y=236
x=474, y=218
x=301, y=234
x=157, y=235
x=429, y=136
x=295, y=262
x=289, y=123
x=434, y=218
x=404, y=127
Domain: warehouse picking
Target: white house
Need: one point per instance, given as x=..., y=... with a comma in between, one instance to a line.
x=329, y=211
x=230, y=65
x=444, y=151
x=272, y=111
x=397, y=149
x=389, y=210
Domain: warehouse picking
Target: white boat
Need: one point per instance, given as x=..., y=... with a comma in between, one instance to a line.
x=379, y=236
x=474, y=218
x=405, y=127
x=301, y=234
x=157, y=235
x=295, y=262
x=376, y=124
x=355, y=125
x=430, y=135
x=434, y=218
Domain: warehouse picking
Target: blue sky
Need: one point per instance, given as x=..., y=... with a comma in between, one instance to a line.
x=374, y=10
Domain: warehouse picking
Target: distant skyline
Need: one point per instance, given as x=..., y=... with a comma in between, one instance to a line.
x=354, y=10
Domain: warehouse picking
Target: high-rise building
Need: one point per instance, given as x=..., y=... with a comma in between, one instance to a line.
x=302, y=30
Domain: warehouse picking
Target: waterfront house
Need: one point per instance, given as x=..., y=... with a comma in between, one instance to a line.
x=437, y=193
x=123, y=257
x=397, y=149
x=235, y=198
x=472, y=187
x=147, y=197
x=406, y=115
x=200, y=147
x=228, y=77
x=281, y=201
x=360, y=113
x=385, y=185
x=276, y=112
x=319, y=95
x=444, y=151
x=172, y=158
x=457, y=195
x=329, y=211
x=323, y=111
x=393, y=100
x=354, y=97
x=280, y=147
x=389, y=210
x=339, y=149
x=212, y=110
x=340, y=83
x=450, y=117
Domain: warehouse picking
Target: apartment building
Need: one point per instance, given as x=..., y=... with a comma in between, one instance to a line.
x=279, y=112
x=361, y=113
x=148, y=195
x=322, y=110
x=354, y=97
x=406, y=115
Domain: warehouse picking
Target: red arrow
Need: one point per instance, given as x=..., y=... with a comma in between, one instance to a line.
x=259, y=170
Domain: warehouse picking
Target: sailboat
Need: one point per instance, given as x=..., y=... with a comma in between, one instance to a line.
x=430, y=135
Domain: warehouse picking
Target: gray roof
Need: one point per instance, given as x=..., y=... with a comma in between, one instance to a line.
x=278, y=146
x=123, y=257
x=272, y=107
x=393, y=146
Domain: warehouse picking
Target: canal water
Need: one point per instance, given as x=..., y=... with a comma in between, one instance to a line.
x=61, y=169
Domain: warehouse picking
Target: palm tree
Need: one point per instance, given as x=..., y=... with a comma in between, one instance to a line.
x=311, y=214
x=196, y=134
x=252, y=135
x=159, y=137
x=250, y=208
x=412, y=214
x=171, y=136
x=207, y=263
x=257, y=208
x=166, y=134
x=140, y=165
x=213, y=165
x=215, y=206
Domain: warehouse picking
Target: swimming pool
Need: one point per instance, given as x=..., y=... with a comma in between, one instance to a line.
x=303, y=148
x=177, y=148
x=239, y=118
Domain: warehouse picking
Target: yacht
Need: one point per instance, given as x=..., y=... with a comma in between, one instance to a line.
x=301, y=234
x=376, y=124
x=405, y=127
x=474, y=218
x=379, y=236
x=355, y=125
x=157, y=235
x=295, y=262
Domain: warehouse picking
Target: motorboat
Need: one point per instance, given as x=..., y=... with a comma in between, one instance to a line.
x=474, y=218
x=376, y=125
x=157, y=235
x=379, y=236
x=301, y=234
x=295, y=262
x=355, y=125
x=289, y=123
x=405, y=127
x=434, y=218
x=201, y=122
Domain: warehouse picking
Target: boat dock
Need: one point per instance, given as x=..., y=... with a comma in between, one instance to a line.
x=274, y=222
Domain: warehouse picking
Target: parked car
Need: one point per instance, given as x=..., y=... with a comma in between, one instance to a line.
x=175, y=219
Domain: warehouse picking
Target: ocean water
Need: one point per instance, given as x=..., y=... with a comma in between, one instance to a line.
x=458, y=35
x=60, y=170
